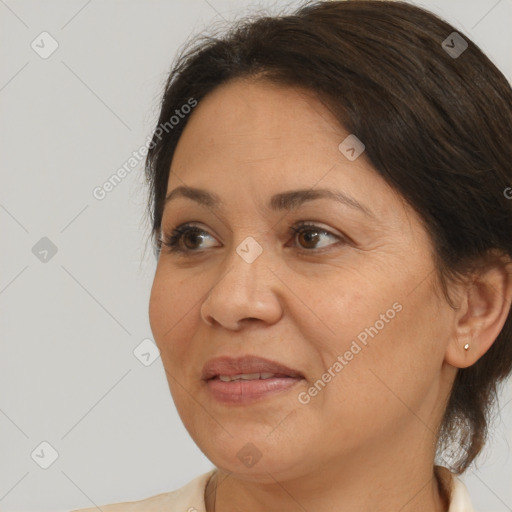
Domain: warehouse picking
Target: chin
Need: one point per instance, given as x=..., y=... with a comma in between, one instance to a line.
x=251, y=457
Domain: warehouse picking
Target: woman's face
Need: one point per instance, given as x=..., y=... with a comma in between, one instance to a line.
x=347, y=305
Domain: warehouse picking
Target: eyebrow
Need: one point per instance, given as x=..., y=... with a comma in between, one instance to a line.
x=283, y=201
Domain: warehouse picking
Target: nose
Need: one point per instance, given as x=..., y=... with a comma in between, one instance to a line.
x=245, y=292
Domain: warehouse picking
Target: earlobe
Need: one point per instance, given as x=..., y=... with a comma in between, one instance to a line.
x=483, y=310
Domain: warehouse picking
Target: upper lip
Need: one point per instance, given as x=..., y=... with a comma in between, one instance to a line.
x=248, y=364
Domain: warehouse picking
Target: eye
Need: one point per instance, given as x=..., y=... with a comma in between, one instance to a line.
x=184, y=238
x=311, y=235
x=188, y=237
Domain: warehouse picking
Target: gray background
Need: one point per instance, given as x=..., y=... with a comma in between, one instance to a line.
x=69, y=326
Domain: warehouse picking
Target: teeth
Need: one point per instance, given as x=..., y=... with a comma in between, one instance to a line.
x=246, y=376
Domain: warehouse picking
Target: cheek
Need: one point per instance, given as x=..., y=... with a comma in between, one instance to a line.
x=380, y=330
x=172, y=314
x=171, y=306
x=402, y=357
x=343, y=309
x=382, y=380
x=158, y=304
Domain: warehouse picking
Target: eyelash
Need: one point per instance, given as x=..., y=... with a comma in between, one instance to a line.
x=171, y=242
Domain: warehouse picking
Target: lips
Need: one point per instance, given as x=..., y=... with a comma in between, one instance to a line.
x=246, y=368
x=248, y=380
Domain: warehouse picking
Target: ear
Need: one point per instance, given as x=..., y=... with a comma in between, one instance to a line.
x=483, y=307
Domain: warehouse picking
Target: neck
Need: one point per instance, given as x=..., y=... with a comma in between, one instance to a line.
x=409, y=491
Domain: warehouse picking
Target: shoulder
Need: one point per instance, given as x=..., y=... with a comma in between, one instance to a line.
x=189, y=498
x=454, y=489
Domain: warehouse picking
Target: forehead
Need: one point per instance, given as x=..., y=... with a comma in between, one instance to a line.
x=248, y=139
x=264, y=128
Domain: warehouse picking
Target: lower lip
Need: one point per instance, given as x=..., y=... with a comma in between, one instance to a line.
x=247, y=391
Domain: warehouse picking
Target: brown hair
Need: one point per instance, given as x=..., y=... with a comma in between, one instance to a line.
x=437, y=128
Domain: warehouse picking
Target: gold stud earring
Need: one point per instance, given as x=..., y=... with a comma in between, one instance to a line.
x=466, y=346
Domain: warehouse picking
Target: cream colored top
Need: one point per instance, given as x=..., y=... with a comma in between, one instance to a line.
x=190, y=497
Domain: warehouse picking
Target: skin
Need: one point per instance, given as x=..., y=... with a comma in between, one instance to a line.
x=366, y=442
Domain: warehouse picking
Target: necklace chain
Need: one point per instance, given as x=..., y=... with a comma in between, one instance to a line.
x=215, y=494
x=211, y=482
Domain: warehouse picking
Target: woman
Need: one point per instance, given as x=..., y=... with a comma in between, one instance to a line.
x=332, y=295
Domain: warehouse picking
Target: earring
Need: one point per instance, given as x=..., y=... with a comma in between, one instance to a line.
x=466, y=346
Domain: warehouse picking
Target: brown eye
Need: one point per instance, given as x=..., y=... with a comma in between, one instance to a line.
x=308, y=236
x=194, y=238
x=185, y=239
x=188, y=239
